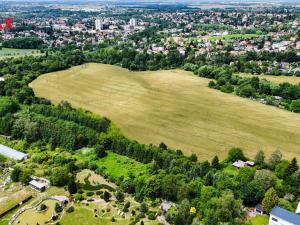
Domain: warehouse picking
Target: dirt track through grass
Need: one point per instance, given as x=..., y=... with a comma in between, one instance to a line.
x=175, y=107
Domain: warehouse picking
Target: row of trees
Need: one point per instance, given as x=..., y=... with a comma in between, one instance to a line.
x=65, y=111
x=66, y=134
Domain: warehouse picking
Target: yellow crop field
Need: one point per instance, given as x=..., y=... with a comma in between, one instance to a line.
x=174, y=107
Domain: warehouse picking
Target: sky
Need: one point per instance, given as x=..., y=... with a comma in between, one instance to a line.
x=163, y=1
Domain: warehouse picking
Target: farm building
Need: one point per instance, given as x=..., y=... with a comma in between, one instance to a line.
x=39, y=184
x=283, y=217
x=12, y=154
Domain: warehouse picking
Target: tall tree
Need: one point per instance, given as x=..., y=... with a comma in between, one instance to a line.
x=235, y=154
x=260, y=158
x=72, y=187
x=270, y=200
x=292, y=168
x=275, y=158
x=215, y=162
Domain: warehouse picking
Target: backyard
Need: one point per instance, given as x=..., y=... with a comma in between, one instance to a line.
x=32, y=216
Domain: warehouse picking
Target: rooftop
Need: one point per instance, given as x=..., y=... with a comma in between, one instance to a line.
x=38, y=184
x=11, y=153
x=286, y=215
x=239, y=164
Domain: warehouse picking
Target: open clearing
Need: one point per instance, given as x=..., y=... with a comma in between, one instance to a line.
x=13, y=52
x=233, y=37
x=259, y=220
x=274, y=79
x=175, y=107
x=33, y=216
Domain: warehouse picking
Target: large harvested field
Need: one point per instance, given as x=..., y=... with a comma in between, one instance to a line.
x=175, y=107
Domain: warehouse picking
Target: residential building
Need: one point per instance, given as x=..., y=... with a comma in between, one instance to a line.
x=98, y=24
x=39, y=184
x=280, y=216
x=133, y=22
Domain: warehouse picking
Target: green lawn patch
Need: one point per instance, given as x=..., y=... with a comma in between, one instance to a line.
x=233, y=36
x=85, y=216
x=12, y=52
x=231, y=170
x=32, y=216
x=259, y=220
x=118, y=166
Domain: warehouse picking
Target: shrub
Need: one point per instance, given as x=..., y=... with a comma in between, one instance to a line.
x=235, y=154
x=78, y=197
x=43, y=207
x=99, y=193
x=70, y=209
x=58, y=208
x=106, y=196
x=247, y=91
x=151, y=216
x=89, y=193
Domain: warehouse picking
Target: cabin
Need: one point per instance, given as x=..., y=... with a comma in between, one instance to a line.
x=280, y=216
x=12, y=154
x=39, y=184
x=240, y=164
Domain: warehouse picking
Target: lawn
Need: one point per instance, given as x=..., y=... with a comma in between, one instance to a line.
x=33, y=217
x=231, y=170
x=259, y=220
x=174, y=107
x=274, y=79
x=12, y=52
x=233, y=36
x=117, y=166
x=85, y=215
x=93, y=178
